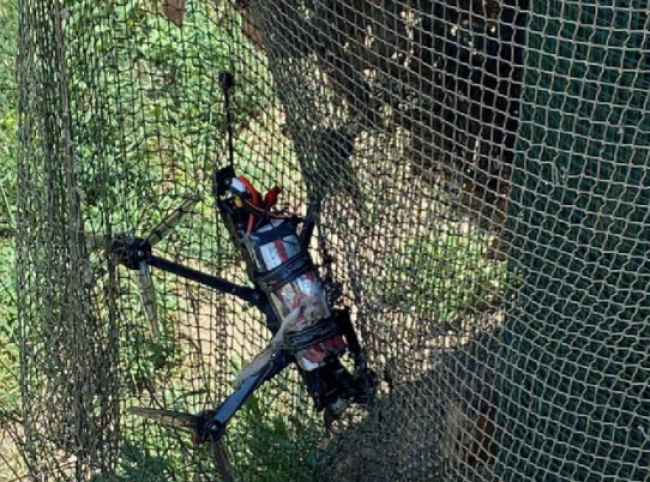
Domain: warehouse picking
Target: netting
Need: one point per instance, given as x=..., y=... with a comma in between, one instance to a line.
x=489, y=232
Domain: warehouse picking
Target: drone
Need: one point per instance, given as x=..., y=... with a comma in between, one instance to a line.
x=287, y=288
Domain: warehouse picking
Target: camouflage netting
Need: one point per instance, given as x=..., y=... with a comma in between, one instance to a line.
x=488, y=230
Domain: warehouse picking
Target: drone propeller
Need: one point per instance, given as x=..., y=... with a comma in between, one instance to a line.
x=121, y=243
x=210, y=425
x=143, y=274
x=170, y=222
x=175, y=419
x=170, y=418
x=147, y=294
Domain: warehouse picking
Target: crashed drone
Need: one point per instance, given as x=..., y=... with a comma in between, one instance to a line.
x=286, y=287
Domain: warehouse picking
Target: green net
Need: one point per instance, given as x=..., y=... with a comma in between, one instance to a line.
x=576, y=396
x=488, y=233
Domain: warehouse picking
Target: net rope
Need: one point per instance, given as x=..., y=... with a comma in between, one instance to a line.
x=489, y=233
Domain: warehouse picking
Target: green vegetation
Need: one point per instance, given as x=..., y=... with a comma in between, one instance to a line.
x=443, y=274
x=264, y=443
x=294, y=435
x=147, y=121
x=8, y=142
x=148, y=124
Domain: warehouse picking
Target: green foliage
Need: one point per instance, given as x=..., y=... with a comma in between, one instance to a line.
x=144, y=461
x=147, y=118
x=148, y=125
x=8, y=346
x=8, y=143
x=267, y=442
x=274, y=444
x=147, y=104
x=8, y=117
x=147, y=121
x=458, y=277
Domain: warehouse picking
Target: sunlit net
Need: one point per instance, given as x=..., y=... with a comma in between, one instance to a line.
x=489, y=232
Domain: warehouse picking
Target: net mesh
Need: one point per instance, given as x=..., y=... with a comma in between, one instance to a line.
x=488, y=232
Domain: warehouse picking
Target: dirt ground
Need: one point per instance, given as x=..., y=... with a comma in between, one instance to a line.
x=12, y=466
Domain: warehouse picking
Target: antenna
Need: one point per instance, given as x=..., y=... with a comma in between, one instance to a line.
x=221, y=177
x=227, y=82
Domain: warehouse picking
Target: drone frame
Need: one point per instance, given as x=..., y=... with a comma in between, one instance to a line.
x=209, y=425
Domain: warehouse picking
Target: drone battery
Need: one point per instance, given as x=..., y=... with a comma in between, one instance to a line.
x=299, y=301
